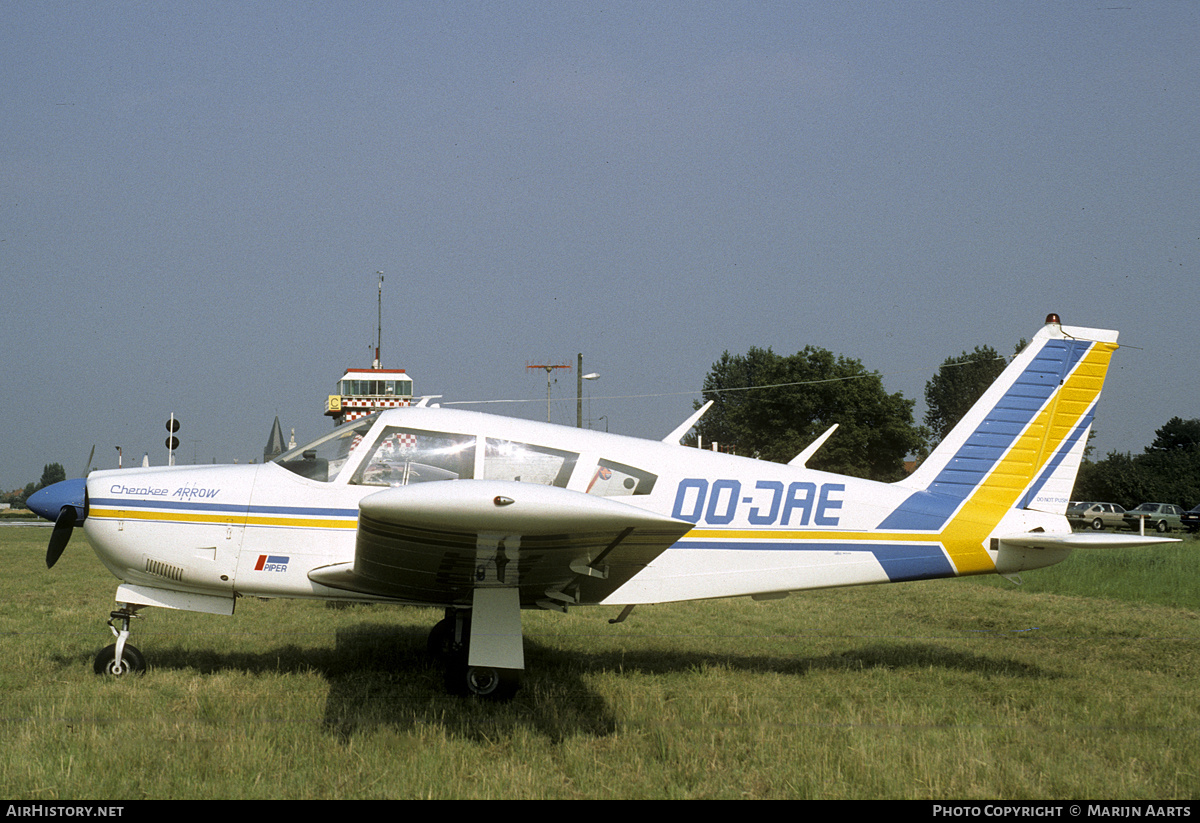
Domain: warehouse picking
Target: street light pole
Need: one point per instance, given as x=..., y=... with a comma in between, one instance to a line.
x=579, y=378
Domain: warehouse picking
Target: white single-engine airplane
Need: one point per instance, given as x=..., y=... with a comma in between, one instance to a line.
x=485, y=516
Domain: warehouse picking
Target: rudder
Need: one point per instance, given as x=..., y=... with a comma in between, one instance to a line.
x=1022, y=442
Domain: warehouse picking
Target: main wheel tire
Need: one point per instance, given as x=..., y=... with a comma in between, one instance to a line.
x=132, y=662
x=441, y=640
x=1098, y=525
x=441, y=644
x=492, y=683
x=1161, y=527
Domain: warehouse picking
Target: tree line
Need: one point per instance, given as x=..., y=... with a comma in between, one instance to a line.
x=1167, y=471
x=771, y=406
x=51, y=473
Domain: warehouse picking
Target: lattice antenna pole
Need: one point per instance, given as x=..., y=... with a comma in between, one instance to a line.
x=379, y=325
x=549, y=367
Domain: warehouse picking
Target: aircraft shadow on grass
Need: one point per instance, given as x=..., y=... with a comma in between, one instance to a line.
x=381, y=675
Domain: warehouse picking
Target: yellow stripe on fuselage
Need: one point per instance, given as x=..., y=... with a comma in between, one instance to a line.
x=223, y=519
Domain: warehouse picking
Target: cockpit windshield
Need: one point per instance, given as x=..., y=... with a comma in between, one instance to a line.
x=402, y=456
x=324, y=458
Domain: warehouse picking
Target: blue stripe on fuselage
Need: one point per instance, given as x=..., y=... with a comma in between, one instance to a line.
x=900, y=561
x=231, y=508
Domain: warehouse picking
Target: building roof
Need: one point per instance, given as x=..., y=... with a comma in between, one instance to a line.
x=276, y=445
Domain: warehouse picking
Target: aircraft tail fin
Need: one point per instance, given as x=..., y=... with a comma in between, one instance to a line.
x=1021, y=444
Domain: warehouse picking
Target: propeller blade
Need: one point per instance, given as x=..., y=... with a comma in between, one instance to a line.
x=66, y=504
x=64, y=524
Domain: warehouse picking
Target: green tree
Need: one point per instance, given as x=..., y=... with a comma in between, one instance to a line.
x=1176, y=436
x=772, y=406
x=29, y=489
x=959, y=382
x=1118, y=478
x=51, y=474
x=1168, y=471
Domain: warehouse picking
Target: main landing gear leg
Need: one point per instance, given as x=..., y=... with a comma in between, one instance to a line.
x=120, y=659
x=448, y=638
x=482, y=647
x=496, y=651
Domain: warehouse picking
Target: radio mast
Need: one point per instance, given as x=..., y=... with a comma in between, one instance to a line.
x=549, y=367
x=364, y=391
x=379, y=326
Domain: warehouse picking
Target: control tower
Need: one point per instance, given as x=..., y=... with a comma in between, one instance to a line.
x=365, y=391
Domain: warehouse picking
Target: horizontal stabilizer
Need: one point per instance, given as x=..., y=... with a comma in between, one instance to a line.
x=1033, y=540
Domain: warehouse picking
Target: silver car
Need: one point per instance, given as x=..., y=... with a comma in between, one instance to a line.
x=1162, y=517
x=1097, y=516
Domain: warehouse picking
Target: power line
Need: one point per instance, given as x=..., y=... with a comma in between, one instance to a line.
x=694, y=392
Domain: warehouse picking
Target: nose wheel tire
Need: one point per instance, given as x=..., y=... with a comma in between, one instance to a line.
x=132, y=662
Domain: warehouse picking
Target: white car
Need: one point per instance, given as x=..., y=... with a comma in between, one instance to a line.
x=1096, y=516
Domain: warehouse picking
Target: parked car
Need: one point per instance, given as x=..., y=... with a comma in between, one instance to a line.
x=1162, y=517
x=1190, y=520
x=1097, y=516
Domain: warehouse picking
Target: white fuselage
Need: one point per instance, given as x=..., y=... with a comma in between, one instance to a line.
x=758, y=528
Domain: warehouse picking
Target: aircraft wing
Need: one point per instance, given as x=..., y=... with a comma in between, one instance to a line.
x=437, y=542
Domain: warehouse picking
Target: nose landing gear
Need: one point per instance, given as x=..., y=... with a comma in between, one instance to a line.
x=120, y=659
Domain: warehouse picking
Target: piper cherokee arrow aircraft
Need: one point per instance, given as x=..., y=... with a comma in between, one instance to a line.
x=485, y=516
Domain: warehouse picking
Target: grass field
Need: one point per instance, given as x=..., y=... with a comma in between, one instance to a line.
x=1082, y=683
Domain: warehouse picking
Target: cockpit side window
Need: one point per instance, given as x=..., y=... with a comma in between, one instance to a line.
x=509, y=460
x=324, y=458
x=618, y=480
x=401, y=457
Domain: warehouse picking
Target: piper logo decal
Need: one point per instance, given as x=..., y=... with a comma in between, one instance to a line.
x=271, y=563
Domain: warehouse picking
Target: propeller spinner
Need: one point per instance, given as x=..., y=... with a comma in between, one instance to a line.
x=65, y=503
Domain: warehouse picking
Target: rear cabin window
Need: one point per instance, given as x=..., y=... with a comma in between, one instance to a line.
x=618, y=480
x=509, y=460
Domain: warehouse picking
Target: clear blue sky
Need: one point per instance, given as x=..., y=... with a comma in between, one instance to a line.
x=195, y=198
